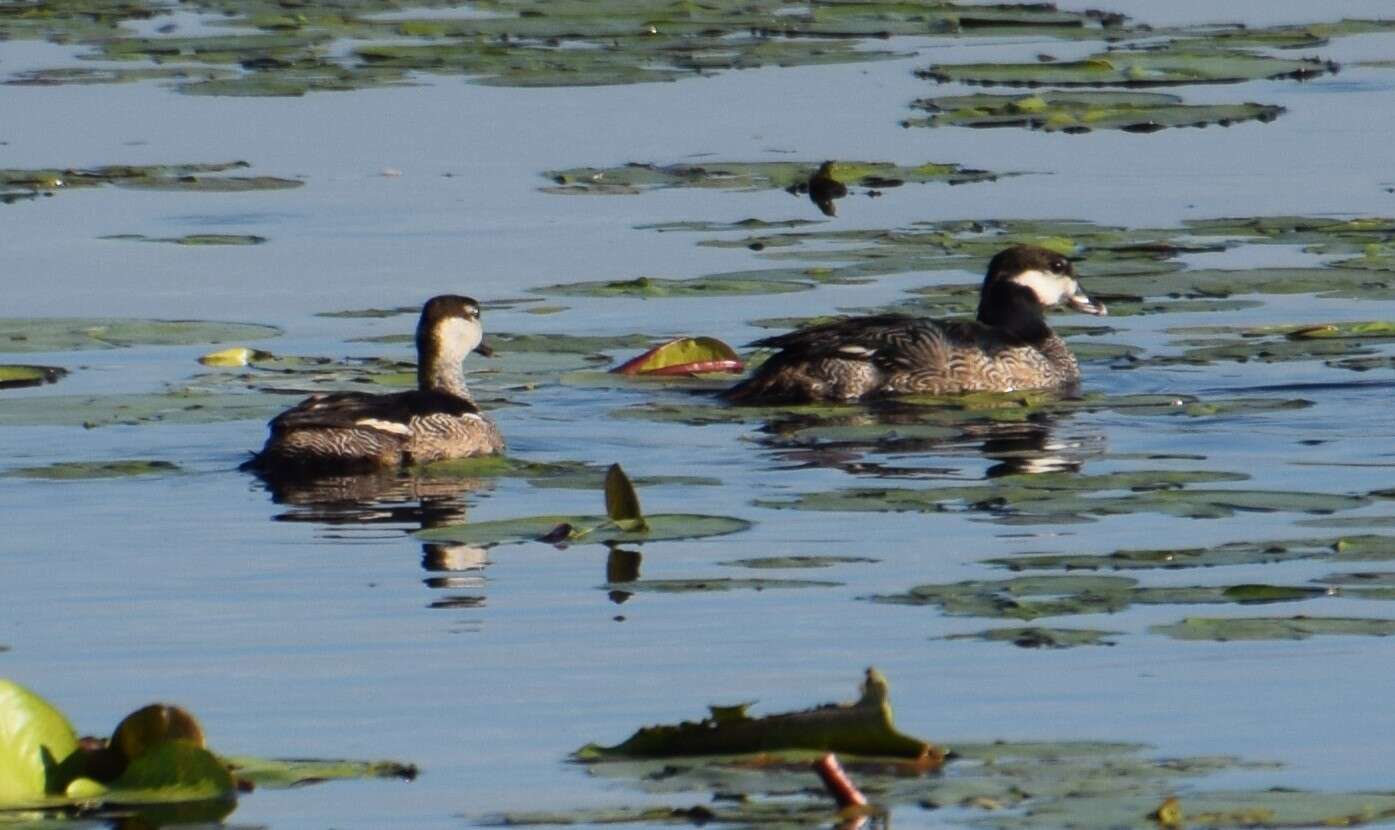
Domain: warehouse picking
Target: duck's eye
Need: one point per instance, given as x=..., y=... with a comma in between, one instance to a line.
x=1061, y=266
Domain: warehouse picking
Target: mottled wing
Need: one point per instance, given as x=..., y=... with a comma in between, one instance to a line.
x=849, y=338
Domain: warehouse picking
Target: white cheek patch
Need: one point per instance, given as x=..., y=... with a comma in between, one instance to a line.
x=1049, y=288
x=458, y=337
x=384, y=426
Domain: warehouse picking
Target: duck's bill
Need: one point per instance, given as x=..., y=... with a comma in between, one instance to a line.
x=484, y=349
x=1080, y=302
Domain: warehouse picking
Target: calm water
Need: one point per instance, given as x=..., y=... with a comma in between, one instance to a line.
x=305, y=638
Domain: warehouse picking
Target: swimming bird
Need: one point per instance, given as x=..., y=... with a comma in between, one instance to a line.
x=356, y=430
x=1008, y=347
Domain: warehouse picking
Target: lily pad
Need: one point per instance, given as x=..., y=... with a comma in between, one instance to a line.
x=34, y=739
x=1036, y=637
x=759, y=175
x=1179, y=62
x=1273, y=628
x=793, y=562
x=285, y=773
x=864, y=727
x=176, y=406
x=684, y=356
x=713, y=585
x=194, y=238
x=14, y=376
x=657, y=287
x=1059, y=495
x=77, y=470
x=1081, y=112
x=53, y=334
x=1346, y=548
x=570, y=475
x=184, y=177
x=584, y=529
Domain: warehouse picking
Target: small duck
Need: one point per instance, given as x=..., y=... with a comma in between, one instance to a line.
x=356, y=430
x=1008, y=347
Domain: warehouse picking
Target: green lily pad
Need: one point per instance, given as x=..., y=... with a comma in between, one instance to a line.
x=716, y=584
x=190, y=177
x=568, y=475
x=1036, y=637
x=584, y=529
x=657, y=287
x=1058, y=495
x=14, y=376
x=77, y=470
x=864, y=727
x=1081, y=112
x=1273, y=628
x=34, y=739
x=194, y=238
x=759, y=175
x=1346, y=548
x=176, y=406
x=792, y=562
x=279, y=774
x=1179, y=62
x=53, y=334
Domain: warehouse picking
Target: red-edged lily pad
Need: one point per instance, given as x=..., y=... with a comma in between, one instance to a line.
x=685, y=356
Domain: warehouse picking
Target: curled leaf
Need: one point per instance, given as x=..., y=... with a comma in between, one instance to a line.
x=684, y=356
x=621, y=501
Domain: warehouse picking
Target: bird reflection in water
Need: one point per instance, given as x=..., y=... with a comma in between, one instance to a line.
x=396, y=497
x=865, y=442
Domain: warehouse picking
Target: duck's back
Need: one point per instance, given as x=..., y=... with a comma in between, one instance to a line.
x=892, y=354
x=348, y=430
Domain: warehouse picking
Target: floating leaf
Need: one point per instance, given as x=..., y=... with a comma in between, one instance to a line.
x=1037, y=637
x=760, y=175
x=586, y=529
x=861, y=728
x=1273, y=628
x=285, y=773
x=39, y=334
x=194, y=238
x=783, y=562
x=684, y=356
x=173, y=771
x=77, y=470
x=1178, y=62
x=177, y=406
x=655, y=287
x=621, y=501
x=1081, y=112
x=35, y=739
x=714, y=585
x=1347, y=548
x=14, y=376
x=184, y=177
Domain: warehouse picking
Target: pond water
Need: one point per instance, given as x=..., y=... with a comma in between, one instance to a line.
x=331, y=632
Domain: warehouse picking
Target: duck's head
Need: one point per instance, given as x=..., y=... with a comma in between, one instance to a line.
x=450, y=329
x=1022, y=282
x=1047, y=275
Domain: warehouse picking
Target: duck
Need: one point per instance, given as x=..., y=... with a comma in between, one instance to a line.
x=354, y=431
x=1006, y=348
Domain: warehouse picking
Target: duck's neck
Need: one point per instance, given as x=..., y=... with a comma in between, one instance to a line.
x=439, y=359
x=1014, y=310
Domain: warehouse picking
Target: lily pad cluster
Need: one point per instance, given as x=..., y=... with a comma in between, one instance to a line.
x=1175, y=62
x=758, y=771
x=156, y=757
x=207, y=178
x=1083, y=111
x=511, y=43
x=751, y=175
